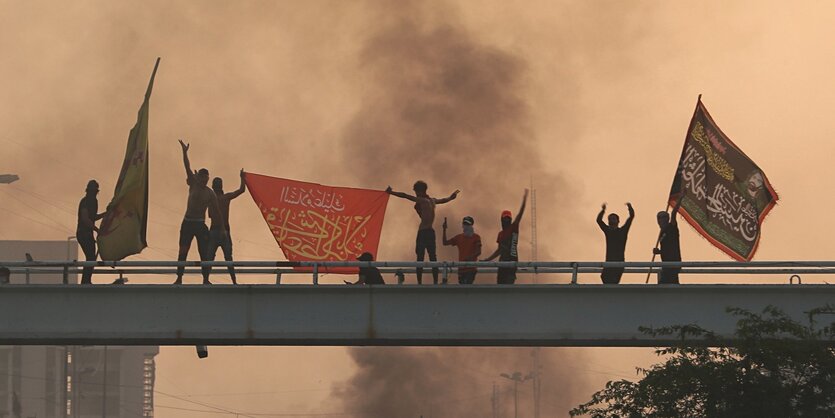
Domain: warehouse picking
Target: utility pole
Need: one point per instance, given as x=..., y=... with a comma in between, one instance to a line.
x=517, y=378
x=536, y=373
x=495, y=400
x=533, y=227
x=104, y=387
x=537, y=381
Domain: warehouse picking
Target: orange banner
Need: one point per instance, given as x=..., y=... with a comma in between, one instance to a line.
x=312, y=222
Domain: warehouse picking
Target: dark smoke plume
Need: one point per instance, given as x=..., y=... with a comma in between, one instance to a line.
x=445, y=108
x=455, y=382
x=442, y=107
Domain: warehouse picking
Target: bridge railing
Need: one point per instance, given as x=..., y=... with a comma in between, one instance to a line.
x=280, y=268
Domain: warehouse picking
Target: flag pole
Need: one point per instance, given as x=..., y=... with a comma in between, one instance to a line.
x=677, y=176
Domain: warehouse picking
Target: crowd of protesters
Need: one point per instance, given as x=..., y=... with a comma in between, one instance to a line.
x=214, y=201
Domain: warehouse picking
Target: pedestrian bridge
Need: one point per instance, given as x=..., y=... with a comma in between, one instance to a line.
x=588, y=315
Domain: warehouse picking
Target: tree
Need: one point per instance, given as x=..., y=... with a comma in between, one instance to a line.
x=776, y=367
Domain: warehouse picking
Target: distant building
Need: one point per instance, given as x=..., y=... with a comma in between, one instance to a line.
x=72, y=381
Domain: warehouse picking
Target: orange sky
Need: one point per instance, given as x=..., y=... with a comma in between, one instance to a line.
x=608, y=87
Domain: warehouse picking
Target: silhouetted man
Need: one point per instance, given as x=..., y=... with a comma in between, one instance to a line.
x=88, y=214
x=425, y=208
x=469, y=248
x=670, y=247
x=220, y=236
x=615, y=242
x=368, y=275
x=508, y=241
x=200, y=198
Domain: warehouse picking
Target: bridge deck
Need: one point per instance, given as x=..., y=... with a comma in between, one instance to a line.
x=532, y=315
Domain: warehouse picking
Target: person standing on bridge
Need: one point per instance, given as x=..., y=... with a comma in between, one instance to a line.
x=425, y=208
x=368, y=275
x=615, y=242
x=508, y=241
x=469, y=248
x=88, y=214
x=670, y=247
x=200, y=199
x=219, y=233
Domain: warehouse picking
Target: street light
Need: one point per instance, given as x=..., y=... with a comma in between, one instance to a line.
x=8, y=178
x=517, y=378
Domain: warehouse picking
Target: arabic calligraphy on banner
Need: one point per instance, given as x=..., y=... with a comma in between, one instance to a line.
x=726, y=196
x=313, y=222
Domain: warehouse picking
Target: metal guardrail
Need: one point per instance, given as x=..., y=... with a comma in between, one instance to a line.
x=280, y=268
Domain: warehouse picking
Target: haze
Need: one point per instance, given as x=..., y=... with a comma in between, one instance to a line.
x=589, y=100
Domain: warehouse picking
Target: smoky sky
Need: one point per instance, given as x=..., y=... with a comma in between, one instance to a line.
x=451, y=382
x=443, y=107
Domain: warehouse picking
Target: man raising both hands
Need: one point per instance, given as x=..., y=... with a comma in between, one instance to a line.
x=200, y=198
x=615, y=242
x=425, y=208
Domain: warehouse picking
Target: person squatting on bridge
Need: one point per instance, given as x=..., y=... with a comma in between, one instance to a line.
x=425, y=208
x=88, y=214
x=469, y=248
x=220, y=234
x=200, y=198
x=508, y=240
x=615, y=242
x=368, y=275
x=668, y=239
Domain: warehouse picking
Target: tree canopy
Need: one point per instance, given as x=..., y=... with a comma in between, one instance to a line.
x=775, y=367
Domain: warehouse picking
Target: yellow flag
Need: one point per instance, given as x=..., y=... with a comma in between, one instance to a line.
x=123, y=230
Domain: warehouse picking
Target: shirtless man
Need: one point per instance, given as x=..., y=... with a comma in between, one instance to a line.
x=425, y=208
x=218, y=236
x=200, y=198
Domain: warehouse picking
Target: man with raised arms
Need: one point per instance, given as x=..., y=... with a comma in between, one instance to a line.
x=615, y=242
x=508, y=241
x=200, y=199
x=219, y=233
x=425, y=208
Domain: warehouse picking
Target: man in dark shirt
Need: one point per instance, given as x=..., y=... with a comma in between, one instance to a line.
x=220, y=235
x=670, y=247
x=508, y=241
x=615, y=242
x=425, y=208
x=469, y=248
x=88, y=214
x=368, y=275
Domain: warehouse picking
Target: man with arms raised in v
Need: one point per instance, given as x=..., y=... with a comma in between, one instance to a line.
x=219, y=234
x=200, y=198
x=425, y=208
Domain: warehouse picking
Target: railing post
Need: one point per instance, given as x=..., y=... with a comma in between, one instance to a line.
x=574, y=267
x=66, y=274
x=315, y=273
x=278, y=277
x=446, y=273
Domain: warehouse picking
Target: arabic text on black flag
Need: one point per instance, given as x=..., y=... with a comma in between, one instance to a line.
x=725, y=195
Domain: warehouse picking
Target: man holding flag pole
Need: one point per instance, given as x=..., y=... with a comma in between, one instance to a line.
x=719, y=191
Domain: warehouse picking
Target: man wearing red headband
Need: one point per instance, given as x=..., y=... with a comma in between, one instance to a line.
x=508, y=241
